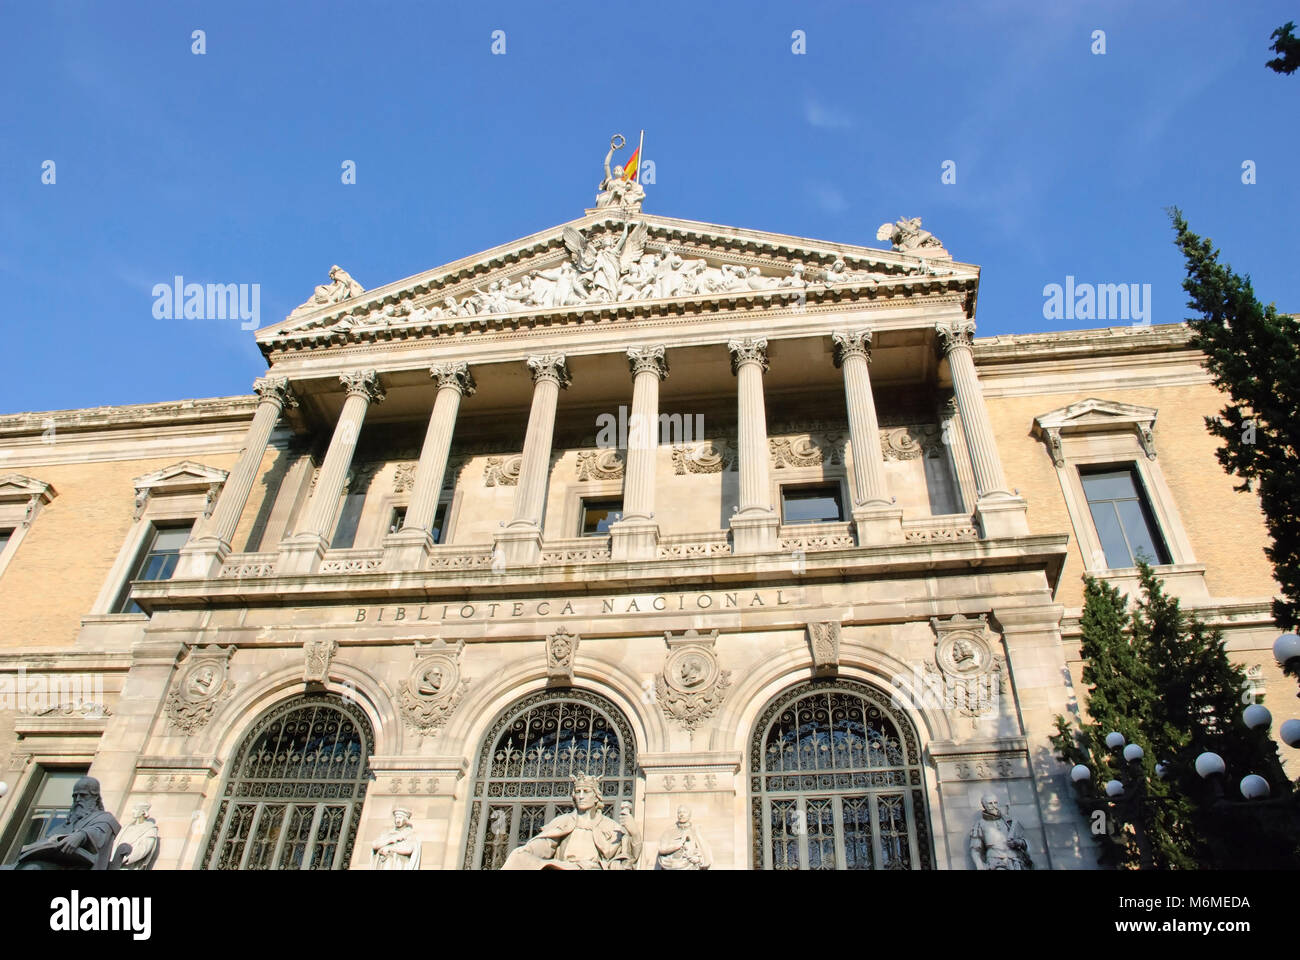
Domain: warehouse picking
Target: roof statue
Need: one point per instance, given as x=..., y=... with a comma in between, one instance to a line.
x=907, y=235
x=341, y=287
x=617, y=189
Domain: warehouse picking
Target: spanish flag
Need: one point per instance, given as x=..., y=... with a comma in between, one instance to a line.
x=634, y=161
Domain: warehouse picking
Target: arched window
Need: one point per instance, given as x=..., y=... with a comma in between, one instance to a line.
x=294, y=793
x=522, y=778
x=836, y=783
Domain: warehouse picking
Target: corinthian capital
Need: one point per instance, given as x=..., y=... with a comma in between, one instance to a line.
x=364, y=383
x=749, y=350
x=960, y=333
x=550, y=367
x=454, y=375
x=276, y=390
x=855, y=343
x=648, y=360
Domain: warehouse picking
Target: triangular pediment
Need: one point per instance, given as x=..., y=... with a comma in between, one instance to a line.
x=15, y=486
x=1093, y=412
x=180, y=476
x=611, y=261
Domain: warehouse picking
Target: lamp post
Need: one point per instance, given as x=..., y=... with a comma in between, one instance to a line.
x=1124, y=803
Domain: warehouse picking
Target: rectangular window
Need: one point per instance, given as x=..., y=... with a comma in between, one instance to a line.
x=439, y=521
x=4, y=538
x=48, y=810
x=598, y=514
x=157, y=562
x=811, y=503
x=345, y=533
x=1122, y=516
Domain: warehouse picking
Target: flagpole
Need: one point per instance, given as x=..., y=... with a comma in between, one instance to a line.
x=640, y=159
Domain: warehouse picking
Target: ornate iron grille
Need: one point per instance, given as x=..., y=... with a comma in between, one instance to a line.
x=293, y=798
x=522, y=778
x=836, y=783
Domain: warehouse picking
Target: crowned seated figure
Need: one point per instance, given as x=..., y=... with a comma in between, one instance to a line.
x=585, y=839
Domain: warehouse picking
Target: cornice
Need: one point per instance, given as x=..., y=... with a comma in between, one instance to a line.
x=1074, y=344
x=169, y=413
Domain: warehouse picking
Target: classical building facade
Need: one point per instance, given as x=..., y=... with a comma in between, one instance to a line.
x=750, y=527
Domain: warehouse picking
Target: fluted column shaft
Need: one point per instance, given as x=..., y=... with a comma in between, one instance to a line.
x=363, y=389
x=955, y=340
x=853, y=355
x=749, y=363
x=549, y=375
x=454, y=381
x=649, y=366
x=275, y=395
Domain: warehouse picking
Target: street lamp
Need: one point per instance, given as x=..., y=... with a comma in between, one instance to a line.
x=1286, y=649
x=1290, y=732
x=1256, y=715
x=1254, y=787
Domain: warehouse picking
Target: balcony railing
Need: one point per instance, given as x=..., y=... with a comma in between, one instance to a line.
x=692, y=545
x=352, y=561
x=945, y=529
x=249, y=565
x=449, y=556
x=577, y=550
x=815, y=537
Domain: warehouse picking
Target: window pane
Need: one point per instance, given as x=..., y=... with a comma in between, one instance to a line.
x=4, y=538
x=1111, y=535
x=1141, y=537
x=398, y=518
x=597, y=515
x=49, y=810
x=811, y=504
x=1111, y=485
x=439, y=522
x=170, y=538
x=345, y=534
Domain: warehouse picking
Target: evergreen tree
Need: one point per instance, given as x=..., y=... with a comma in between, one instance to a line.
x=1287, y=44
x=1163, y=679
x=1253, y=353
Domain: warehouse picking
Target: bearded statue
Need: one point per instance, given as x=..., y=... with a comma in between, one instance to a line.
x=84, y=843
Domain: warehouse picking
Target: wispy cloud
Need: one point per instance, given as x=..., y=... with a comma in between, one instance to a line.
x=825, y=117
x=828, y=198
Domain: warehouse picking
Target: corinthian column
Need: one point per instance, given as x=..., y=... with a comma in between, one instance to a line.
x=875, y=517
x=636, y=536
x=303, y=553
x=408, y=548
x=1001, y=512
x=753, y=526
x=203, y=556
x=520, y=544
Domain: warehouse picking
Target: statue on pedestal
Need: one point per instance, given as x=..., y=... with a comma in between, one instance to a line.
x=137, y=844
x=583, y=840
x=398, y=848
x=617, y=190
x=997, y=842
x=85, y=843
x=682, y=847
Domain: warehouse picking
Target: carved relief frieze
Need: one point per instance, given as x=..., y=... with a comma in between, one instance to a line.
x=202, y=682
x=692, y=685
x=502, y=471
x=433, y=688
x=599, y=465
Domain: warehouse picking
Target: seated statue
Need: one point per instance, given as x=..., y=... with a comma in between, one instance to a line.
x=583, y=840
x=341, y=287
x=85, y=843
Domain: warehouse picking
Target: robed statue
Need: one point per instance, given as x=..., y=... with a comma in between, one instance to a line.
x=617, y=189
x=137, y=844
x=997, y=842
x=84, y=843
x=681, y=847
x=585, y=839
x=398, y=848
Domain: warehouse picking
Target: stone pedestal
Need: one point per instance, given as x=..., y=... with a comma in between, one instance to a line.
x=301, y=555
x=877, y=524
x=755, y=532
x=1002, y=515
x=634, y=539
x=407, y=549
x=519, y=545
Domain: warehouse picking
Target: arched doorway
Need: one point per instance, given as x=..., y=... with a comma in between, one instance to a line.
x=293, y=797
x=836, y=782
x=524, y=765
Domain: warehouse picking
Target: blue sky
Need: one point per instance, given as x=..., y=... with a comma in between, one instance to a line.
x=226, y=167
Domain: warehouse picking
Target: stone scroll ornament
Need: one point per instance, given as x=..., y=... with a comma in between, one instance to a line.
x=691, y=686
x=203, y=682
x=433, y=688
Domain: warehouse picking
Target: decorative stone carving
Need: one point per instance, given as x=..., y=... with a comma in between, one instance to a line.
x=364, y=383
x=838, y=272
x=399, y=847
x=276, y=389
x=599, y=465
x=585, y=839
x=1096, y=416
x=455, y=375
x=618, y=189
x=691, y=686
x=824, y=640
x=648, y=360
x=748, y=350
x=434, y=687
x=203, y=682
x=997, y=842
x=184, y=477
x=806, y=451
x=966, y=660
x=550, y=367
x=341, y=287
x=502, y=471
x=561, y=648
x=318, y=654
x=710, y=456
x=137, y=844
x=910, y=442
x=955, y=335
x=682, y=847
x=404, y=476
x=906, y=234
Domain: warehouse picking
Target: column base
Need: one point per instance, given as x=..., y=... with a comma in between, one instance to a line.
x=407, y=550
x=634, y=539
x=1002, y=514
x=301, y=555
x=755, y=533
x=201, y=558
x=877, y=523
x=519, y=546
